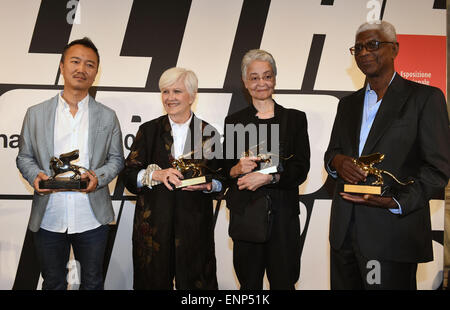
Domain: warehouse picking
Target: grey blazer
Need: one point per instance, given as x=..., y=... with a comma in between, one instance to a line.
x=105, y=154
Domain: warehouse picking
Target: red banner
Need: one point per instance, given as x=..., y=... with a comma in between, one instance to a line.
x=422, y=58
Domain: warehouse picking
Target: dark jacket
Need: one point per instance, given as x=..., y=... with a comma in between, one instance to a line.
x=294, y=141
x=411, y=129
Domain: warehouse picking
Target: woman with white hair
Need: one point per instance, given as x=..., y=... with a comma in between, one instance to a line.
x=287, y=151
x=173, y=235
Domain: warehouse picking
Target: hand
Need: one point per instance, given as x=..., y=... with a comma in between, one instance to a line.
x=371, y=200
x=244, y=166
x=200, y=187
x=41, y=177
x=253, y=181
x=347, y=169
x=93, y=181
x=168, y=175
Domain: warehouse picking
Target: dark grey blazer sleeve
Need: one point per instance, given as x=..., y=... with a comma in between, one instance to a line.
x=114, y=162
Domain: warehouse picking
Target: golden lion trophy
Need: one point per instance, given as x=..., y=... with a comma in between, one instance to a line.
x=195, y=171
x=366, y=163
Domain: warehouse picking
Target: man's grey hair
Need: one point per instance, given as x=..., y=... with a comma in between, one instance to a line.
x=260, y=55
x=384, y=27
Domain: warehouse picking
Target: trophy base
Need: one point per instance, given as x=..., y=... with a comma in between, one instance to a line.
x=63, y=184
x=362, y=189
x=269, y=170
x=195, y=181
x=380, y=190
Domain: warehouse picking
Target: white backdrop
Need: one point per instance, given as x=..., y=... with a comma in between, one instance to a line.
x=29, y=77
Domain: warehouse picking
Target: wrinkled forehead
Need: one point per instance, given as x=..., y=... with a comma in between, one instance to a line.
x=259, y=66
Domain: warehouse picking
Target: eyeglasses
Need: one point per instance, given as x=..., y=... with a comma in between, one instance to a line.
x=265, y=78
x=369, y=46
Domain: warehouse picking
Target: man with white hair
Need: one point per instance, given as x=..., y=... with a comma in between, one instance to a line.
x=377, y=240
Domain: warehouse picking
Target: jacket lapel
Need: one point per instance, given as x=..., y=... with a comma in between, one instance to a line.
x=166, y=136
x=188, y=143
x=49, y=124
x=355, y=119
x=392, y=103
x=94, y=125
x=194, y=139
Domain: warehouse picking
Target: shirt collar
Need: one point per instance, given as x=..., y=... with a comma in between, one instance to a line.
x=82, y=105
x=368, y=85
x=173, y=124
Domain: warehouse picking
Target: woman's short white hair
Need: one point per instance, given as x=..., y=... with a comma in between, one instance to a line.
x=384, y=27
x=173, y=75
x=260, y=55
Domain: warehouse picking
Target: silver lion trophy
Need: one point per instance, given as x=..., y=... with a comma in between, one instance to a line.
x=60, y=166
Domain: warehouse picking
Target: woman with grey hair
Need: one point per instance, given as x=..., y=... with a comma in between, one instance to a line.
x=279, y=252
x=173, y=229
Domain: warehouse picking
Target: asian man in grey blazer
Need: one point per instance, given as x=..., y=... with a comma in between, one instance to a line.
x=72, y=120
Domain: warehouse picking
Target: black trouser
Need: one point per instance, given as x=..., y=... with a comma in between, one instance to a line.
x=350, y=270
x=280, y=256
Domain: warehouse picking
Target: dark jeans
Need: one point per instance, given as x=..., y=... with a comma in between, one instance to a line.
x=53, y=250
